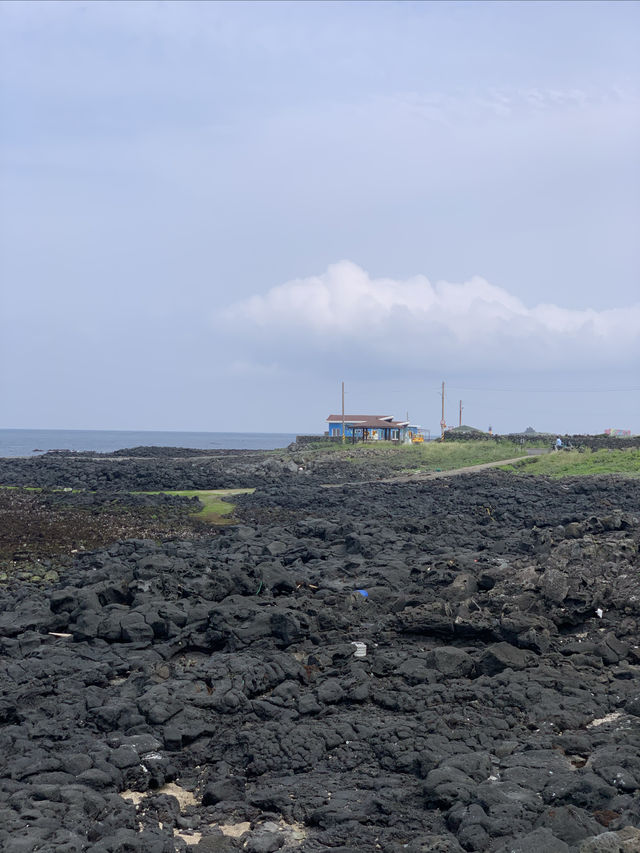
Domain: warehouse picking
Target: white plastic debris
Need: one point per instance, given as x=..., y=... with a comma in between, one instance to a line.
x=599, y=612
x=361, y=649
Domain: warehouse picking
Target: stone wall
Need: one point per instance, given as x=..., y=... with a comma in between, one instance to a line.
x=594, y=442
x=303, y=440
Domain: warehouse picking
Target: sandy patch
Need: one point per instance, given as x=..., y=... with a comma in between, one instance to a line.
x=610, y=718
x=185, y=798
x=234, y=830
x=295, y=831
x=194, y=838
x=135, y=797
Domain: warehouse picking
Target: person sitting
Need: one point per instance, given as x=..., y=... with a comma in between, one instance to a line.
x=558, y=443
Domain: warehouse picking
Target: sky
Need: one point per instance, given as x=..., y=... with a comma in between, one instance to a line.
x=212, y=214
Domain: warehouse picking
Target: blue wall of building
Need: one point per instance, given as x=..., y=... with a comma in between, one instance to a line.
x=336, y=429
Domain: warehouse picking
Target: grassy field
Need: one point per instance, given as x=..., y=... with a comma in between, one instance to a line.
x=574, y=463
x=214, y=509
x=461, y=454
x=430, y=456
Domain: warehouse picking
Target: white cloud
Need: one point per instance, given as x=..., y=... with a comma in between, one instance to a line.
x=383, y=322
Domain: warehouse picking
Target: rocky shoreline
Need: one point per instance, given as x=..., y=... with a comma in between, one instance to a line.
x=442, y=666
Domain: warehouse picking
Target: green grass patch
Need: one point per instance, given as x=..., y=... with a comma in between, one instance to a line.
x=461, y=454
x=575, y=463
x=214, y=509
x=430, y=456
x=443, y=456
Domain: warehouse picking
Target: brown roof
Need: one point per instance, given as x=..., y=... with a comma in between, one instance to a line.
x=368, y=421
x=352, y=418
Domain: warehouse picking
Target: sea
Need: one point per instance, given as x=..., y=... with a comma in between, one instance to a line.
x=33, y=442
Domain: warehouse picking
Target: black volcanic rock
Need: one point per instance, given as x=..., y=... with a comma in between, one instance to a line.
x=371, y=667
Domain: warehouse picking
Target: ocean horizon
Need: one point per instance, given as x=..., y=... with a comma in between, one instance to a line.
x=33, y=442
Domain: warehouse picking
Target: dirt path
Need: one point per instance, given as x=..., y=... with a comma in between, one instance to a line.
x=418, y=477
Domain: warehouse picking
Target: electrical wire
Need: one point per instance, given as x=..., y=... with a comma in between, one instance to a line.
x=540, y=390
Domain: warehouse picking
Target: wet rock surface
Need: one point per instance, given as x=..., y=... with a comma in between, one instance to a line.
x=40, y=530
x=210, y=694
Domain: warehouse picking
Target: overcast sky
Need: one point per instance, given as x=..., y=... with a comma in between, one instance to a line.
x=212, y=213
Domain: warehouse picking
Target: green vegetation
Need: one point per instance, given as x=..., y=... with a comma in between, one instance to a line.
x=214, y=508
x=578, y=463
x=461, y=454
x=449, y=455
x=466, y=429
x=430, y=456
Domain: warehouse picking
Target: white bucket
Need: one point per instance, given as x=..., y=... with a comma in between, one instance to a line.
x=361, y=649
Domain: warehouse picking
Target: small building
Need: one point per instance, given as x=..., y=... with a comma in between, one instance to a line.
x=368, y=427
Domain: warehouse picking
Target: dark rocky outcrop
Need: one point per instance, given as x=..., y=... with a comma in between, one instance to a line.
x=210, y=695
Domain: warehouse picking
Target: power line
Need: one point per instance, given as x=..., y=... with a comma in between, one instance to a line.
x=544, y=390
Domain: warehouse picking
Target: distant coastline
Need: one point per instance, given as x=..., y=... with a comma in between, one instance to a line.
x=33, y=442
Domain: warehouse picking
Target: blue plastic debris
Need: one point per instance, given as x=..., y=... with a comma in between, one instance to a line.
x=363, y=593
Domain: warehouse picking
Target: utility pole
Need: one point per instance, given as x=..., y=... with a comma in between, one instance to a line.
x=343, y=438
x=460, y=424
x=442, y=420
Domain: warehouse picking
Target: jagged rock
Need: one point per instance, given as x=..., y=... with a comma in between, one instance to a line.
x=213, y=682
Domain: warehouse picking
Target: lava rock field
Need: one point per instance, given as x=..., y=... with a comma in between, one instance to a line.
x=443, y=666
